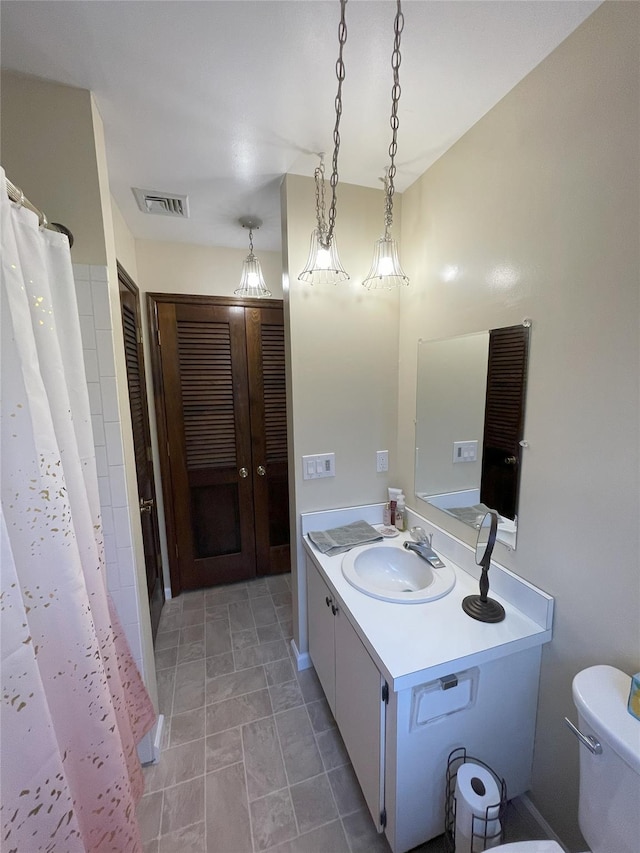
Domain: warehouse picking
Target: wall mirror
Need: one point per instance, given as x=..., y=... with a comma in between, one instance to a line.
x=469, y=425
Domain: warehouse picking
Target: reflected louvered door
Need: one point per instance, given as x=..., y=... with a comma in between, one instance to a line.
x=504, y=418
x=206, y=413
x=265, y=357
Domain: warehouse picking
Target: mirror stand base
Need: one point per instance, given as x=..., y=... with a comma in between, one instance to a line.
x=488, y=610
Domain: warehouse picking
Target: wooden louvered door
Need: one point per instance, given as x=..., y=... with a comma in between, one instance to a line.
x=265, y=360
x=504, y=418
x=131, y=327
x=221, y=404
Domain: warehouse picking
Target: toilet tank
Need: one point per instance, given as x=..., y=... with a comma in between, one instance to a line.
x=609, y=813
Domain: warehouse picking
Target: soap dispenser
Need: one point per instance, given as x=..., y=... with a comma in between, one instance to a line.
x=401, y=513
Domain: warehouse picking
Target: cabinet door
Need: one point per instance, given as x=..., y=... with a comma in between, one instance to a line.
x=360, y=713
x=321, y=622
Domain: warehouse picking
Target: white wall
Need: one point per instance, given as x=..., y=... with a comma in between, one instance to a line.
x=537, y=207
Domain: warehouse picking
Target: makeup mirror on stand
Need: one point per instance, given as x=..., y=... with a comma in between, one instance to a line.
x=481, y=607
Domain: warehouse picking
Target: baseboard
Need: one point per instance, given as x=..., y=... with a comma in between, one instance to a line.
x=303, y=661
x=158, y=738
x=524, y=804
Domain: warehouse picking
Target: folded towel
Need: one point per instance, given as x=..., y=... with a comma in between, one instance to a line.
x=340, y=539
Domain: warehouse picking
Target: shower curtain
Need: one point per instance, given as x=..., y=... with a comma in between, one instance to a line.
x=73, y=704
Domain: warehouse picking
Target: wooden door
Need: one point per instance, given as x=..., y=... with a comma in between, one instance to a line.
x=222, y=412
x=504, y=418
x=268, y=408
x=134, y=358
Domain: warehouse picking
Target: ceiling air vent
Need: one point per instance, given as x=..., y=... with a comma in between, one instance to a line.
x=162, y=204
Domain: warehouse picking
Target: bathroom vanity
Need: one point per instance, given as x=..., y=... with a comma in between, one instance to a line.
x=408, y=683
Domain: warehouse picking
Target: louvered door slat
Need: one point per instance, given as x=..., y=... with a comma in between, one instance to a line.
x=506, y=372
x=130, y=332
x=204, y=351
x=274, y=390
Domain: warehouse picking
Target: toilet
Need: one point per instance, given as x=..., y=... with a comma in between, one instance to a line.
x=608, y=811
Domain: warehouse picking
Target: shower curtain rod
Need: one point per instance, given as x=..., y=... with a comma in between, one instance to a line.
x=16, y=194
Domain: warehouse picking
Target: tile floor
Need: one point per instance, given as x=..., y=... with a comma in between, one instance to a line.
x=252, y=761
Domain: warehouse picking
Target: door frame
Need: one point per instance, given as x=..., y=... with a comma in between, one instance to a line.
x=153, y=300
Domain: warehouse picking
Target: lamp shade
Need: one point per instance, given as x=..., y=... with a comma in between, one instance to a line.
x=252, y=280
x=386, y=272
x=323, y=264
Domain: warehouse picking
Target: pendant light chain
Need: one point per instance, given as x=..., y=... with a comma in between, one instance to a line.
x=390, y=173
x=251, y=241
x=326, y=233
x=340, y=74
x=320, y=204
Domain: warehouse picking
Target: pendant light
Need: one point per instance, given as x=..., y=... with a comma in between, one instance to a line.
x=251, y=280
x=386, y=271
x=323, y=264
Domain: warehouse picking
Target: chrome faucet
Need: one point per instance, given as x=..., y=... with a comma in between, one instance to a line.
x=424, y=550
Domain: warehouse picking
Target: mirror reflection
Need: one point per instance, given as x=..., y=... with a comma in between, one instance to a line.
x=469, y=425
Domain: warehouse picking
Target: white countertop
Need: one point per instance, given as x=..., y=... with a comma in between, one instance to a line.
x=406, y=640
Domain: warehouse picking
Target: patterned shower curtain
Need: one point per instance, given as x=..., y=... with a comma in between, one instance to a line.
x=73, y=704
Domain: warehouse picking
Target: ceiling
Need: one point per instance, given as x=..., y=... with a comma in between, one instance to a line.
x=219, y=100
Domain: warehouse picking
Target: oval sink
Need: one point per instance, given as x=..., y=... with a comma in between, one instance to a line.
x=392, y=574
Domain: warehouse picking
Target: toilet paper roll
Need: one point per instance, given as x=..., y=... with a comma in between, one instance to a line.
x=477, y=796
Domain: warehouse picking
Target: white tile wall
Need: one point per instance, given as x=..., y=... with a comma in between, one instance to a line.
x=92, y=291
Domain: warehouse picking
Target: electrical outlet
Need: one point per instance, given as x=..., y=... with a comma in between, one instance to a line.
x=382, y=461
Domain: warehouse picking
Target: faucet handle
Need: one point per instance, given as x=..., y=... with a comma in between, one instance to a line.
x=418, y=535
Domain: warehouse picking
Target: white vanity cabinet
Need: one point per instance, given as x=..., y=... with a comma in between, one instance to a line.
x=408, y=684
x=352, y=685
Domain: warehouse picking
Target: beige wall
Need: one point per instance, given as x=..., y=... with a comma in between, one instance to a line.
x=208, y=270
x=124, y=242
x=537, y=207
x=48, y=150
x=451, y=392
x=343, y=344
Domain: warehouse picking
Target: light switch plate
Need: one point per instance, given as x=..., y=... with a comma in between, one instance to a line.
x=318, y=465
x=465, y=451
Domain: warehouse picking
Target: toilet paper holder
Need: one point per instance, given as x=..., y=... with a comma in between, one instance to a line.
x=484, y=834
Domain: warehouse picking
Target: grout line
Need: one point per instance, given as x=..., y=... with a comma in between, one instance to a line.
x=246, y=788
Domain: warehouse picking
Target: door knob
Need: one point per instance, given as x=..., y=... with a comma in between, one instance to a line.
x=145, y=506
x=511, y=460
x=243, y=473
x=262, y=470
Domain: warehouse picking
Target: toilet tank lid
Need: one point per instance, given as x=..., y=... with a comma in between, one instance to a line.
x=600, y=694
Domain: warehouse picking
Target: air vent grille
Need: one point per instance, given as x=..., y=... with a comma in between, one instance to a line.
x=162, y=204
